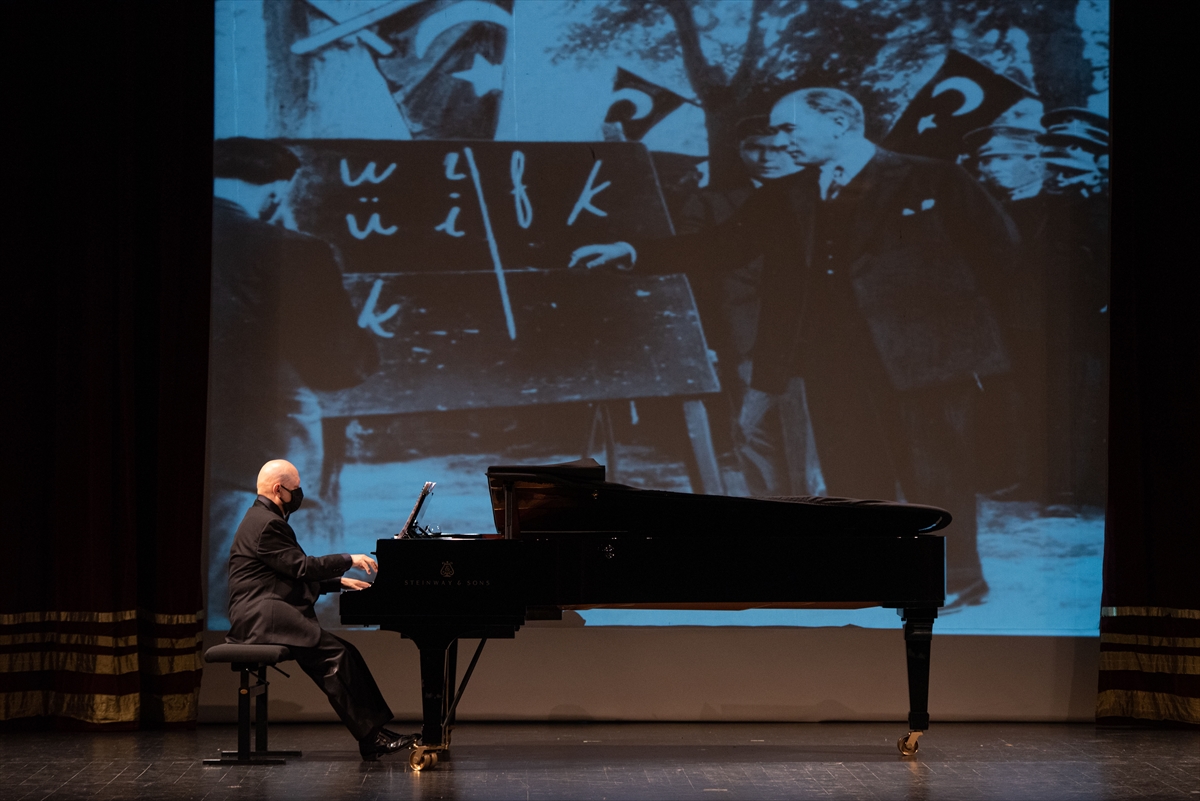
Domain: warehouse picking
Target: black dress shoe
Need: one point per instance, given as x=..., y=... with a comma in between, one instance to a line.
x=381, y=743
x=408, y=739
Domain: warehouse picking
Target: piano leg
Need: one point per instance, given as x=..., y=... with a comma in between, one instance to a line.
x=918, y=637
x=439, y=673
x=438, y=654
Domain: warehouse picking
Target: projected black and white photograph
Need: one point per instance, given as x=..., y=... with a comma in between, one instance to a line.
x=755, y=248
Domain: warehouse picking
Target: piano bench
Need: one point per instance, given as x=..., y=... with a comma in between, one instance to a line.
x=250, y=659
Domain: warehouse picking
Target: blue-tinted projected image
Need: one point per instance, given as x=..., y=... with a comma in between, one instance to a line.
x=853, y=249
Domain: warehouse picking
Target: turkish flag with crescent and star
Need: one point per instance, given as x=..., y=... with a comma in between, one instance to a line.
x=962, y=96
x=443, y=60
x=635, y=94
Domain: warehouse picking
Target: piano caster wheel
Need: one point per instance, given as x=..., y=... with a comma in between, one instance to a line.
x=908, y=743
x=421, y=758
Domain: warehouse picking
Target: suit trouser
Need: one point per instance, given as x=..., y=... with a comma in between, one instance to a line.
x=876, y=442
x=340, y=671
x=772, y=442
x=938, y=424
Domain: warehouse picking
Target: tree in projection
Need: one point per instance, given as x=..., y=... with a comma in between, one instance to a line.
x=738, y=56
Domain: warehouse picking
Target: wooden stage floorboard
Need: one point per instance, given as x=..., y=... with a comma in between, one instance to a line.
x=623, y=761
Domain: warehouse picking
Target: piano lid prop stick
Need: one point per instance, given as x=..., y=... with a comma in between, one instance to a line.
x=491, y=238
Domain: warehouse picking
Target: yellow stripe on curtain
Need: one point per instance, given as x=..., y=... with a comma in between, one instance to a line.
x=1150, y=663
x=69, y=617
x=98, y=640
x=1149, y=611
x=88, y=708
x=1147, y=706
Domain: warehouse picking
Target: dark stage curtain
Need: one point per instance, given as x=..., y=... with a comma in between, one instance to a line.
x=104, y=336
x=1150, y=621
x=105, y=349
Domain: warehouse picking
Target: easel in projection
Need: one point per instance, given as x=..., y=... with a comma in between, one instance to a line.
x=455, y=256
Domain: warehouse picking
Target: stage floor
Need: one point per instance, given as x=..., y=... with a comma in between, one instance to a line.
x=624, y=761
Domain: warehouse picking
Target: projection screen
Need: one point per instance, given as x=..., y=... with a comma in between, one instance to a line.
x=456, y=233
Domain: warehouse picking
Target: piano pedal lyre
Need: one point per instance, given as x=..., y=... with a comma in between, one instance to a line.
x=908, y=743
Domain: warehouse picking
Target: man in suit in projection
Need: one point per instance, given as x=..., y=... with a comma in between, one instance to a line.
x=874, y=290
x=273, y=585
x=728, y=302
x=282, y=326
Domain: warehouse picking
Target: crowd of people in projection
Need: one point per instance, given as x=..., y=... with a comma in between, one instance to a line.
x=885, y=325
x=934, y=332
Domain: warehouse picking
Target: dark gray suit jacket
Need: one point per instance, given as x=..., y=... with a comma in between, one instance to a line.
x=273, y=584
x=924, y=250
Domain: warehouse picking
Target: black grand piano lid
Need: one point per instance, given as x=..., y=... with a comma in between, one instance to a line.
x=586, y=469
x=574, y=496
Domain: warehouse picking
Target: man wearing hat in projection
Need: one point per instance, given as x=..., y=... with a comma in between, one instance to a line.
x=282, y=326
x=1007, y=160
x=1076, y=151
x=1074, y=241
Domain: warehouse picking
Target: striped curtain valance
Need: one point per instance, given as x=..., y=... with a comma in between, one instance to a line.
x=1149, y=663
x=127, y=667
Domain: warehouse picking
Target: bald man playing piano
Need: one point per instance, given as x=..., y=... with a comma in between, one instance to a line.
x=273, y=585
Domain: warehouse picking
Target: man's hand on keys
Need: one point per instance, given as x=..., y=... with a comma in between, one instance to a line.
x=364, y=563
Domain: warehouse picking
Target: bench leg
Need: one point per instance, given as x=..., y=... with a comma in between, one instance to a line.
x=260, y=713
x=243, y=749
x=260, y=755
x=260, y=721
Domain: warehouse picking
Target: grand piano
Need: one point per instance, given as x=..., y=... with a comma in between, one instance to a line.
x=566, y=539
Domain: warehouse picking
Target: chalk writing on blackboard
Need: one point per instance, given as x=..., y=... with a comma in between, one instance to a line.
x=373, y=226
x=447, y=226
x=516, y=171
x=589, y=191
x=451, y=162
x=368, y=174
x=371, y=319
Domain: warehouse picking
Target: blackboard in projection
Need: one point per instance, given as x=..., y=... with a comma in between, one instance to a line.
x=455, y=256
x=402, y=207
x=580, y=337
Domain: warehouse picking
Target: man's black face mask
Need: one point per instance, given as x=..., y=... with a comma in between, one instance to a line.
x=297, y=498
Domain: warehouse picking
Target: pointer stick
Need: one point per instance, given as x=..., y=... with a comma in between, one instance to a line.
x=491, y=238
x=350, y=26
